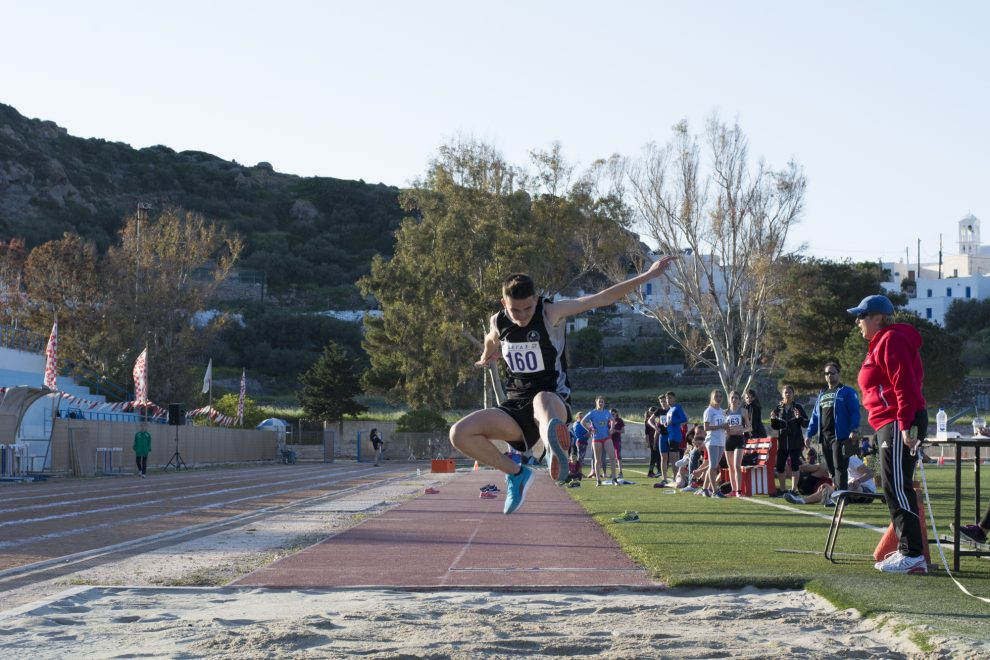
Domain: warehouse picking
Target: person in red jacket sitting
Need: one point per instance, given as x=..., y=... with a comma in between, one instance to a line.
x=890, y=380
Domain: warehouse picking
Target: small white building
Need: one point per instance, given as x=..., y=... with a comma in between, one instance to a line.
x=965, y=275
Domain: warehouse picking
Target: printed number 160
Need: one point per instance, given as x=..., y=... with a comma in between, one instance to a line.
x=523, y=361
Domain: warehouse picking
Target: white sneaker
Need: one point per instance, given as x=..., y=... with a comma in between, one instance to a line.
x=895, y=562
x=689, y=489
x=793, y=499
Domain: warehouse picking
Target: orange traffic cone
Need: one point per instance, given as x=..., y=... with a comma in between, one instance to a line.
x=889, y=542
x=476, y=466
x=941, y=460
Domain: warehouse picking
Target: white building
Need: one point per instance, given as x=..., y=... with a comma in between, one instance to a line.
x=965, y=275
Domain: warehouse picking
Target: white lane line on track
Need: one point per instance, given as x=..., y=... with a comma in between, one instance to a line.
x=80, y=495
x=315, y=479
x=467, y=545
x=184, y=531
x=176, y=512
x=148, y=487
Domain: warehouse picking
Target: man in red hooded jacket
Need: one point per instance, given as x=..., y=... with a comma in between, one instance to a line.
x=890, y=381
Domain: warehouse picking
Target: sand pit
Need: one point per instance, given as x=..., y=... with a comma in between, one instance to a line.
x=80, y=616
x=251, y=623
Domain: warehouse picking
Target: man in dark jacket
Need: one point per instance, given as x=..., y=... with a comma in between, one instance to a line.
x=789, y=420
x=835, y=420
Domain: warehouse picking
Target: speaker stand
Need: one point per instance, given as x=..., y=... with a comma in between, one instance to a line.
x=176, y=459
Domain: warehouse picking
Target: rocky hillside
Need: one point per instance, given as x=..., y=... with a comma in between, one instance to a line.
x=313, y=237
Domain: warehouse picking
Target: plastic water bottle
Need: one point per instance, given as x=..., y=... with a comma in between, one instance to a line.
x=419, y=472
x=942, y=423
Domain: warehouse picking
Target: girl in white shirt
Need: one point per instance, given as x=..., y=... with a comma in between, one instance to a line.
x=715, y=428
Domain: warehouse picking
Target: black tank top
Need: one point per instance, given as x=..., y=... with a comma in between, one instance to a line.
x=534, y=355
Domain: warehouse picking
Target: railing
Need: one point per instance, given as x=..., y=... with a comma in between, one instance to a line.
x=97, y=383
x=22, y=340
x=78, y=413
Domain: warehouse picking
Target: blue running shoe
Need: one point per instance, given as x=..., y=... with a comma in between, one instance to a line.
x=559, y=438
x=516, y=486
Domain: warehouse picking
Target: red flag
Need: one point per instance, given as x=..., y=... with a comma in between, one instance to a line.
x=141, y=379
x=240, y=400
x=51, y=359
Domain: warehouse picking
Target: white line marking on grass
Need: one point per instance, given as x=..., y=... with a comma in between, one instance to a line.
x=786, y=507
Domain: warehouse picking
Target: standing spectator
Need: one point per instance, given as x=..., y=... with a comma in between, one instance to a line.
x=735, y=442
x=650, y=432
x=755, y=412
x=378, y=444
x=597, y=423
x=891, y=380
x=580, y=434
x=715, y=428
x=659, y=422
x=616, y=426
x=670, y=449
x=789, y=420
x=142, y=447
x=835, y=420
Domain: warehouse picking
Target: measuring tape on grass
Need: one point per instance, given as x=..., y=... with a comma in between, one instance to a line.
x=938, y=542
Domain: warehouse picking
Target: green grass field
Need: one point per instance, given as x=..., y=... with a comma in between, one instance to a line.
x=690, y=541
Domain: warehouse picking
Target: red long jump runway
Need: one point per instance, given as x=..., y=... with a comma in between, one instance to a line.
x=53, y=523
x=455, y=539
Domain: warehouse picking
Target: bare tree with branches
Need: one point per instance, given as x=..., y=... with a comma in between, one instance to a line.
x=731, y=221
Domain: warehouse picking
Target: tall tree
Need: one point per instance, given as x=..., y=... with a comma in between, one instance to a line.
x=329, y=387
x=734, y=219
x=808, y=324
x=144, y=291
x=472, y=221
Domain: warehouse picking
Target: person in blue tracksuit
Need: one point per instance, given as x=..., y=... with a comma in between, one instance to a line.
x=835, y=420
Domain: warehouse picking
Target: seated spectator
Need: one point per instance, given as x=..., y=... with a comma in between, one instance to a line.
x=860, y=481
x=574, y=465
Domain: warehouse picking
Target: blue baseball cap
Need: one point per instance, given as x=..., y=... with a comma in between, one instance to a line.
x=873, y=305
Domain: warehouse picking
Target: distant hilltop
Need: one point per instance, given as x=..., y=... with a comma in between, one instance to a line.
x=313, y=237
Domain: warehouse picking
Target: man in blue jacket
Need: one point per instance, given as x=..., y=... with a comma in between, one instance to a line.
x=836, y=420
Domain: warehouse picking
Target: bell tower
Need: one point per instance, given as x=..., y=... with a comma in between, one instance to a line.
x=969, y=235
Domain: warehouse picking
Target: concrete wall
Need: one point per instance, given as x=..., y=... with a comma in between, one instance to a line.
x=198, y=445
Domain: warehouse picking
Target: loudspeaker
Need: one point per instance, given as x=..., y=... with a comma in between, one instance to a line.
x=176, y=414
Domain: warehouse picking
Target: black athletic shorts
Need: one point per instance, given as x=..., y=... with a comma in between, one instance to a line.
x=734, y=442
x=521, y=410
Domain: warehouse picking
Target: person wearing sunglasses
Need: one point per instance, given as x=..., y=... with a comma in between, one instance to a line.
x=835, y=420
x=891, y=380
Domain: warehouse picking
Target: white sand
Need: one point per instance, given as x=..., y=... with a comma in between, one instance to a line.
x=255, y=623
x=143, y=619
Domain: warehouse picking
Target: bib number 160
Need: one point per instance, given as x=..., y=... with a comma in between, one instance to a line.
x=523, y=361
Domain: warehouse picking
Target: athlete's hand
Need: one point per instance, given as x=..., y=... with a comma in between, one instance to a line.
x=660, y=265
x=909, y=442
x=491, y=356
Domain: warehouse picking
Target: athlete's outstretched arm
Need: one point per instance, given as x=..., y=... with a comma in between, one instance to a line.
x=558, y=311
x=490, y=350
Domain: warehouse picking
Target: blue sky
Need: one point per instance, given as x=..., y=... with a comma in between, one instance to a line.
x=883, y=103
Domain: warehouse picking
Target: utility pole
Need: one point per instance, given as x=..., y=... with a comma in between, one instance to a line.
x=918, y=254
x=940, y=256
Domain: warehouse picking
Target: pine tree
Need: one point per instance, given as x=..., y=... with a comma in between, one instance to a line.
x=330, y=386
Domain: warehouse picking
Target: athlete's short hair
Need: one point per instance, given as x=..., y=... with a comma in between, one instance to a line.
x=671, y=393
x=834, y=363
x=518, y=286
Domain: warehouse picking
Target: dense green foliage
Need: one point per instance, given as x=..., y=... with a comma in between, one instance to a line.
x=810, y=324
x=329, y=388
x=312, y=237
x=283, y=343
x=421, y=420
x=253, y=414
x=970, y=321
